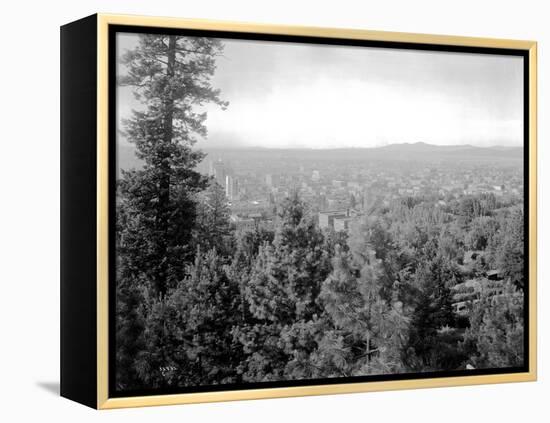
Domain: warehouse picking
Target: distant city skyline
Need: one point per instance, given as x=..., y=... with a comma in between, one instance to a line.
x=290, y=95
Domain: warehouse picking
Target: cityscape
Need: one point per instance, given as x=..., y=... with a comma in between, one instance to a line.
x=338, y=186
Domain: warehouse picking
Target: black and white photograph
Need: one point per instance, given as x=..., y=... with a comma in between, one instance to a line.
x=292, y=211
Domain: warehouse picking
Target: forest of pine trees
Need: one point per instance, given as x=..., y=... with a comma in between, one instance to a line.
x=199, y=302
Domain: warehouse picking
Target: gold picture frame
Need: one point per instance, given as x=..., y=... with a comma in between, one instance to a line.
x=103, y=400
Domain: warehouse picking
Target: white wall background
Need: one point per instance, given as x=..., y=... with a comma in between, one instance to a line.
x=29, y=216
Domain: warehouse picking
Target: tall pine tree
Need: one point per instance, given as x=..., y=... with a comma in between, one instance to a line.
x=282, y=297
x=365, y=333
x=433, y=340
x=212, y=225
x=170, y=76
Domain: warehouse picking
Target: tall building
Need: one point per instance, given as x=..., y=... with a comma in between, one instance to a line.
x=272, y=180
x=315, y=176
x=219, y=172
x=231, y=187
x=341, y=223
x=327, y=218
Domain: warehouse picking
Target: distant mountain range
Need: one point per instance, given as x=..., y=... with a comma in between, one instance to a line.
x=418, y=151
x=455, y=151
x=422, y=146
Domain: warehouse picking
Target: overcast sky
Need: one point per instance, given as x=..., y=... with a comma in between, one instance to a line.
x=286, y=95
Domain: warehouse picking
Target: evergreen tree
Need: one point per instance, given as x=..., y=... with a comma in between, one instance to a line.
x=292, y=269
x=482, y=229
x=248, y=243
x=432, y=338
x=170, y=76
x=365, y=333
x=212, y=226
x=282, y=296
x=206, y=308
x=510, y=250
x=187, y=336
x=496, y=333
x=130, y=327
x=370, y=236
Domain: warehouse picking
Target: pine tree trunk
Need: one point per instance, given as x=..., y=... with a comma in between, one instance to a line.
x=368, y=348
x=165, y=171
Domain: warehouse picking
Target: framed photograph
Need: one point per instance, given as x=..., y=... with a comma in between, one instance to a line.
x=256, y=211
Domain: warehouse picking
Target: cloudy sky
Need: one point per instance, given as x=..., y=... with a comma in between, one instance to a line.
x=285, y=95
